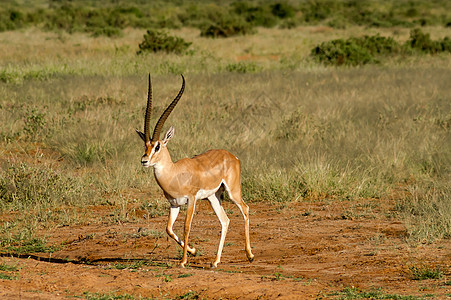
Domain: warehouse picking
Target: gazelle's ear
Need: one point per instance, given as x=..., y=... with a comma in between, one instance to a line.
x=169, y=134
x=141, y=135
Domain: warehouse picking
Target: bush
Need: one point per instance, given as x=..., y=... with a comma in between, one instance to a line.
x=282, y=10
x=379, y=45
x=370, y=49
x=355, y=51
x=446, y=44
x=342, y=52
x=316, y=11
x=256, y=15
x=11, y=20
x=421, y=42
x=266, y=15
x=157, y=40
x=227, y=26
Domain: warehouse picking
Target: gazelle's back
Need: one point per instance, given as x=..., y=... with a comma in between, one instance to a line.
x=213, y=167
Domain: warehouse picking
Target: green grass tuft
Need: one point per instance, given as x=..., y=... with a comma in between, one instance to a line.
x=424, y=272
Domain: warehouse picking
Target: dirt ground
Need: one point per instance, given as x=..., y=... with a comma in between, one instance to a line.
x=302, y=251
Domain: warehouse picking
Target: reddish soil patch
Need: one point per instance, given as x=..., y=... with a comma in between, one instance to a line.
x=302, y=251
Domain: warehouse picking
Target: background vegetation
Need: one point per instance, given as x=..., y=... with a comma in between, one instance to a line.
x=219, y=18
x=72, y=88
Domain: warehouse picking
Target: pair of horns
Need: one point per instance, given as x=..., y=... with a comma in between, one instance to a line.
x=164, y=116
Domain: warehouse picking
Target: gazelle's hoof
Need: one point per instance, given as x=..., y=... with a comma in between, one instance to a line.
x=192, y=251
x=250, y=258
x=213, y=265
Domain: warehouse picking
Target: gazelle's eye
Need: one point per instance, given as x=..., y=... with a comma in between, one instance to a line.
x=157, y=147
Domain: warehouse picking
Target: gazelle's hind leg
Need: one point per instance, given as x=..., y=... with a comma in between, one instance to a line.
x=173, y=213
x=223, y=219
x=235, y=194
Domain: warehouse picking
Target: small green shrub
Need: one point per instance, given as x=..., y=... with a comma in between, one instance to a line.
x=342, y=52
x=422, y=42
x=355, y=51
x=157, y=40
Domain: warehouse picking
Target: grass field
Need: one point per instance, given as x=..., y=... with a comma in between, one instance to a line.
x=305, y=132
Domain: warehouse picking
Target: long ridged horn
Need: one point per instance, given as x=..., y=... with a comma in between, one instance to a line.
x=167, y=112
x=148, y=113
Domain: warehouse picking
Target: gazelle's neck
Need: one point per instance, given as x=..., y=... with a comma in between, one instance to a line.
x=164, y=164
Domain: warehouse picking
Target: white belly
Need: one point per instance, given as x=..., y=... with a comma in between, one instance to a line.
x=203, y=194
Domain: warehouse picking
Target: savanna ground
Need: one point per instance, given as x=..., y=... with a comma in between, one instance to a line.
x=346, y=169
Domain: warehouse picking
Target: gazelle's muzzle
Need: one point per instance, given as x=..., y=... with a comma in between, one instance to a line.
x=145, y=161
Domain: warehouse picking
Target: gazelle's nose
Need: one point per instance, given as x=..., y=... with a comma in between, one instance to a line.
x=144, y=160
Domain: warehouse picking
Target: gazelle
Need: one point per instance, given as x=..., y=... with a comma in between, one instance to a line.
x=204, y=176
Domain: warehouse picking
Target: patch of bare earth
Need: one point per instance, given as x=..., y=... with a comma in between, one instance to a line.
x=302, y=251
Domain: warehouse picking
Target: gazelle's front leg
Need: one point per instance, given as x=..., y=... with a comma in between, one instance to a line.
x=173, y=213
x=188, y=221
